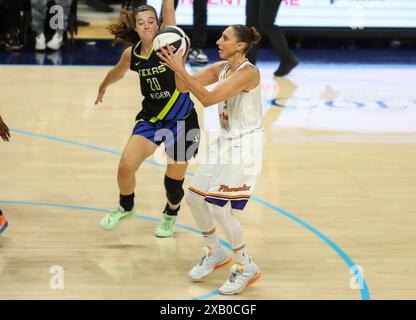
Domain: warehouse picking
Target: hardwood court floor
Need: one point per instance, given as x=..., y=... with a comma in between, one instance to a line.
x=337, y=189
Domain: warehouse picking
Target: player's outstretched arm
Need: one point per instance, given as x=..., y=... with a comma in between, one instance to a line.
x=115, y=74
x=204, y=77
x=241, y=80
x=168, y=14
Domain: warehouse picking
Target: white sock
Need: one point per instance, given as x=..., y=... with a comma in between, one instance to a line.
x=241, y=257
x=212, y=241
x=230, y=225
x=200, y=211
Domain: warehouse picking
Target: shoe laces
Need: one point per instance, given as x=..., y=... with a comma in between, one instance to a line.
x=118, y=209
x=207, y=253
x=236, y=270
x=167, y=222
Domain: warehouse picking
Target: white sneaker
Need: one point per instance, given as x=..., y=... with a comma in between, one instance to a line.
x=241, y=278
x=213, y=259
x=198, y=56
x=40, y=42
x=56, y=41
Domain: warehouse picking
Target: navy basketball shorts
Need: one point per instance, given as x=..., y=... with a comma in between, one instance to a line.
x=181, y=137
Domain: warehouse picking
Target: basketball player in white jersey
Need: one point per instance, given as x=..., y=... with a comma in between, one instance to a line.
x=225, y=183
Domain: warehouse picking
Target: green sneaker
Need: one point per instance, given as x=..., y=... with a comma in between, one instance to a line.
x=111, y=220
x=166, y=226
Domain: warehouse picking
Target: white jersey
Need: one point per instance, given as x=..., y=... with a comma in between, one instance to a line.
x=233, y=161
x=241, y=114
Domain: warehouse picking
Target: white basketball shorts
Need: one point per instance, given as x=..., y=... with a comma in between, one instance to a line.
x=229, y=170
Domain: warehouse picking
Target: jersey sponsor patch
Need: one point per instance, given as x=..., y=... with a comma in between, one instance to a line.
x=149, y=72
x=160, y=95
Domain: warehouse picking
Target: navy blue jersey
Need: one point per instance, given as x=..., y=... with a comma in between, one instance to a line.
x=162, y=101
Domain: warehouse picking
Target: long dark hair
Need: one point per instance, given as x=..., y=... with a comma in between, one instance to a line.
x=125, y=28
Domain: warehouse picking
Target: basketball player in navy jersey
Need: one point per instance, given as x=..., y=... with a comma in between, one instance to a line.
x=164, y=110
x=5, y=135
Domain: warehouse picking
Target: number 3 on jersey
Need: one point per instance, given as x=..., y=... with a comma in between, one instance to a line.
x=154, y=84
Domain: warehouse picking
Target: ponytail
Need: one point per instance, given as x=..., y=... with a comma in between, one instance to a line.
x=250, y=36
x=255, y=35
x=125, y=28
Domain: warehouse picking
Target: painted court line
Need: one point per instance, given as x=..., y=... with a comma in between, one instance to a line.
x=365, y=293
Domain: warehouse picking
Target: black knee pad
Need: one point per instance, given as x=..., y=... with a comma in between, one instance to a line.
x=174, y=190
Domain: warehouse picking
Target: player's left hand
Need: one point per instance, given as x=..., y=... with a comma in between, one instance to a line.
x=171, y=60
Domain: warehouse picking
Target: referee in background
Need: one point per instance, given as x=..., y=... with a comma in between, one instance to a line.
x=261, y=14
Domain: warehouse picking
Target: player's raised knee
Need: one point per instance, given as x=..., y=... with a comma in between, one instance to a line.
x=174, y=190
